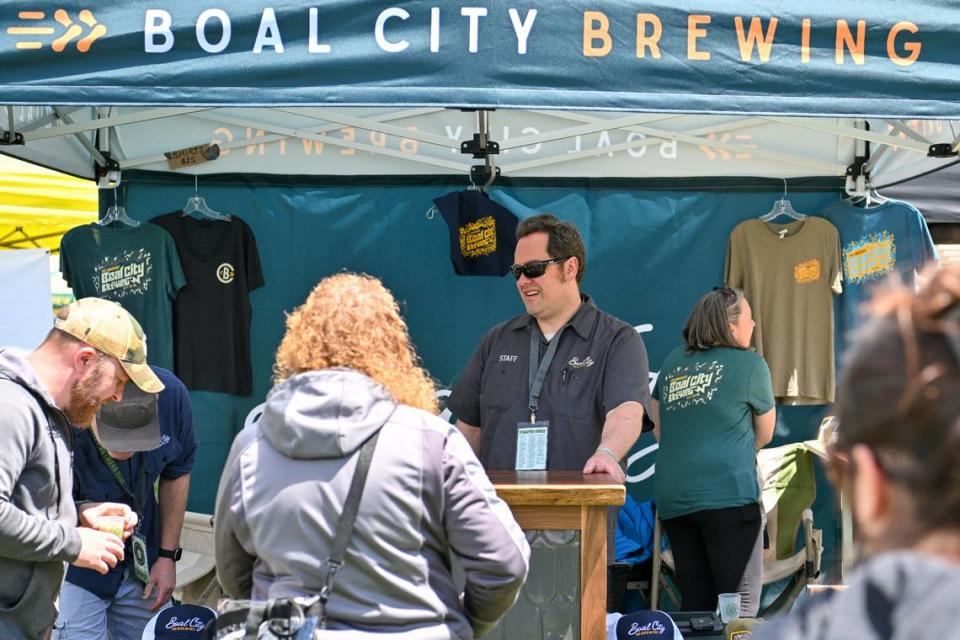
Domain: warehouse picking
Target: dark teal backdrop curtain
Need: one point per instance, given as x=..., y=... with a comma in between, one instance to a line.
x=653, y=247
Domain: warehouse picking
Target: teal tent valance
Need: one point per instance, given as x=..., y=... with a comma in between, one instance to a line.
x=886, y=58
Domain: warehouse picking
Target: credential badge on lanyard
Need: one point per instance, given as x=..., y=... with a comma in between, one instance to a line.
x=532, y=437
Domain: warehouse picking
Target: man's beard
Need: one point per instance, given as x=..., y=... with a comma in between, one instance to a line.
x=84, y=404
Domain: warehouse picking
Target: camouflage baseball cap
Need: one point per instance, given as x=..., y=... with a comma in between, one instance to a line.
x=108, y=327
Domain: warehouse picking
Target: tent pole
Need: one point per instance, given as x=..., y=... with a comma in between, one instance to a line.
x=113, y=121
x=82, y=139
x=907, y=131
x=853, y=132
x=50, y=118
x=377, y=125
x=288, y=132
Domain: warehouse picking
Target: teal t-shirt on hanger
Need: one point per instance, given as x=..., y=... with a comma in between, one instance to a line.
x=706, y=458
x=875, y=242
x=136, y=267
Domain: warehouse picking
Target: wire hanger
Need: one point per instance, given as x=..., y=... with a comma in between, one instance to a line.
x=117, y=213
x=782, y=207
x=196, y=204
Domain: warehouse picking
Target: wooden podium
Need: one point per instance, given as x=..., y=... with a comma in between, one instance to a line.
x=569, y=500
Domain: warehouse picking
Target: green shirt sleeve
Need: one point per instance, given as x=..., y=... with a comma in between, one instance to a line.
x=760, y=395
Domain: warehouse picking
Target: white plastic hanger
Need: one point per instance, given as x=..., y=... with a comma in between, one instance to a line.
x=782, y=207
x=196, y=204
x=117, y=213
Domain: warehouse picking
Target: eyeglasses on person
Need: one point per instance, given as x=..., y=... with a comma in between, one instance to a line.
x=534, y=268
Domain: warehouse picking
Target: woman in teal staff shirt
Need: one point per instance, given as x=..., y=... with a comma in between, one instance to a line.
x=714, y=408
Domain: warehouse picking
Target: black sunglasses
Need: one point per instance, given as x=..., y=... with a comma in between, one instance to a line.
x=534, y=268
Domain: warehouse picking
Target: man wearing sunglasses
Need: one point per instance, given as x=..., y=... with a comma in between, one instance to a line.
x=563, y=386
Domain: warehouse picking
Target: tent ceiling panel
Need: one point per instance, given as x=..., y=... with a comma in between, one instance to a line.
x=63, y=153
x=898, y=165
x=540, y=143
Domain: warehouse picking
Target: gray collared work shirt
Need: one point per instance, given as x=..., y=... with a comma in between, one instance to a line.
x=600, y=363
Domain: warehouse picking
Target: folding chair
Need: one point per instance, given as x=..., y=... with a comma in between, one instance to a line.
x=196, y=571
x=789, y=489
x=788, y=493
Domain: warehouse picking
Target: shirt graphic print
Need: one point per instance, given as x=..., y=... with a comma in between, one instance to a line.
x=119, y=276
x=690, y=385
x=869, y=258
x=136, y=267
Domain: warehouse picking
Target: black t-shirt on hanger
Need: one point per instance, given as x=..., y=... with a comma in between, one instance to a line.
x=212, y=314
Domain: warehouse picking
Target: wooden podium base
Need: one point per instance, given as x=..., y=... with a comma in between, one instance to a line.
x=569, y=500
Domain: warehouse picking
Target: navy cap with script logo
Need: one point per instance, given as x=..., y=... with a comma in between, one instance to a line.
x=182, y=622
x=647, y=625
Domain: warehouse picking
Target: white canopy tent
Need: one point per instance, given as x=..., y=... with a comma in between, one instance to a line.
x=359, y=89
x=532, y=143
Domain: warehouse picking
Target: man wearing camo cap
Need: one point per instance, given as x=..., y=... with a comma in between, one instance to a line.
x=94, y=348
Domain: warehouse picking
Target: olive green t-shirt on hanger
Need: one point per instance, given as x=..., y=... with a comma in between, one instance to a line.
x=790, y=274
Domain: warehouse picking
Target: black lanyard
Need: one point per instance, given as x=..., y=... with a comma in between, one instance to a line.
x=537, y=374
x=140, y=499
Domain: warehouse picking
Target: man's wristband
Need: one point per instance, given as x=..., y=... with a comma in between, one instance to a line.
x=173, y=554
x=609, y=452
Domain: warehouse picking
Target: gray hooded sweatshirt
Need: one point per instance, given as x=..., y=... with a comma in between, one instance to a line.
x=38, y=518
x=427, y=499
x=901, y=595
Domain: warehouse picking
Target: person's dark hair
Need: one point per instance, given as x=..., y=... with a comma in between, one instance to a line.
x=900, y=396
x=563, y=238
x=709, y=323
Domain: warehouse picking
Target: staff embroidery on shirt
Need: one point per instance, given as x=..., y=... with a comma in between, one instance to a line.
x=580, y=364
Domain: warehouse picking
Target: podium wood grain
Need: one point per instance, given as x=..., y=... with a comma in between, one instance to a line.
x=568, y=500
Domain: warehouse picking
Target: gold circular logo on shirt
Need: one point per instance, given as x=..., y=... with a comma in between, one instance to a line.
x=226, y=273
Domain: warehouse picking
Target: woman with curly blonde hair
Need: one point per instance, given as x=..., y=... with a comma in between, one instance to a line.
x=352, y=321
x=345, y=373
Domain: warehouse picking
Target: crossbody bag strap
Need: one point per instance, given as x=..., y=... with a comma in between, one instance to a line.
x=254, y=615
x=351, y=507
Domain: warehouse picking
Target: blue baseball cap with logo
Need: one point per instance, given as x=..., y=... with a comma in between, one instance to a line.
x=647, y=625
x=182, y=622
